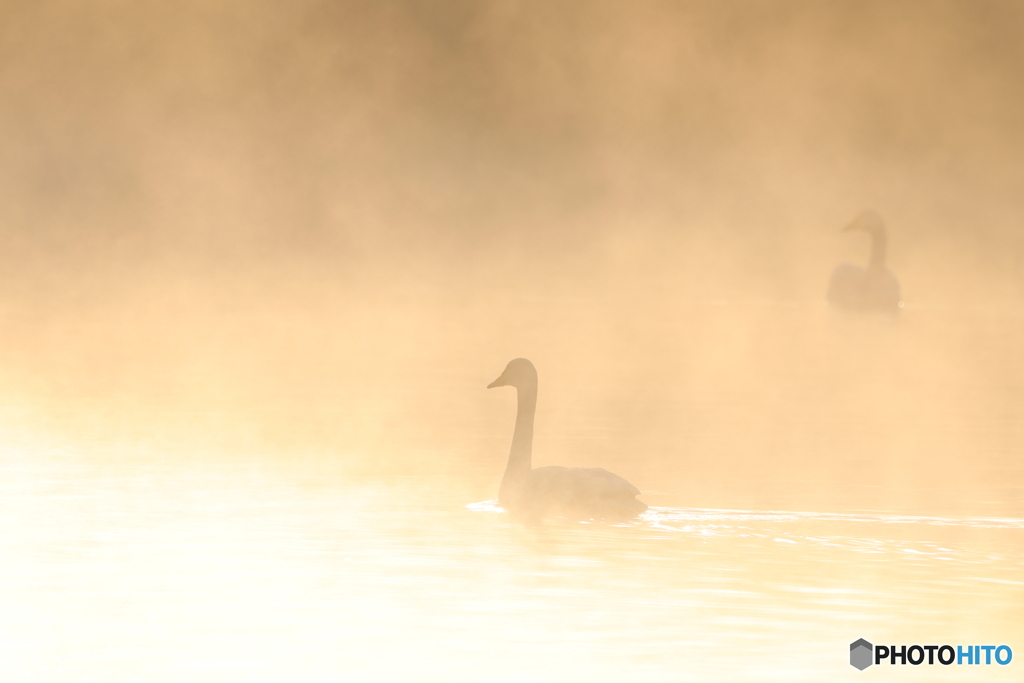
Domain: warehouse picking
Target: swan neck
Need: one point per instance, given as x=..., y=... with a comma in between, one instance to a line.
x=877, y=259
x=521, y=454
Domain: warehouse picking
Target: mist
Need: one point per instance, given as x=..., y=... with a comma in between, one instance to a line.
x=259, y=261
x=318, y=228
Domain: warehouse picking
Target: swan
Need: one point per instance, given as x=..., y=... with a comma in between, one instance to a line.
x=579, y=493
x=873, y=288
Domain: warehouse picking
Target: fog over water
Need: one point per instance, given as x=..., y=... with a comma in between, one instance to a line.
x=259, y=260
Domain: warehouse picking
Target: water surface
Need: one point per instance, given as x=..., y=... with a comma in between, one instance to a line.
x=232, y=573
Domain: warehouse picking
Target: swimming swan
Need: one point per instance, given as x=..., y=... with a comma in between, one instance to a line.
x=578, y=493
x=866, y=289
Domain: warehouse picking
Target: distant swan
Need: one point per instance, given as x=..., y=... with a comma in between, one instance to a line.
x=866, y=289
x=578, y=493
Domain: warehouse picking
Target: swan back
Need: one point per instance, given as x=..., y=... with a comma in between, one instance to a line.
x=579, y=493
x=864, y=289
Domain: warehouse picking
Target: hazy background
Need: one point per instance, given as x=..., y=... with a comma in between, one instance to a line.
x=309, y=233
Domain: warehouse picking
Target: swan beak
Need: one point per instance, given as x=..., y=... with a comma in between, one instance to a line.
x=497, y=383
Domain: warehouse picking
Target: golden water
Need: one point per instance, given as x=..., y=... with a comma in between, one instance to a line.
x=258, y=261
x=804, y=494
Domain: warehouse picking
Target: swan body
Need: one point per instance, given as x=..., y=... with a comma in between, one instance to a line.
x=873, y=288
x=578, y=493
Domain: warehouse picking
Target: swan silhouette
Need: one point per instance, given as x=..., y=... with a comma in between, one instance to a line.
x=866, y=289
x=578, y=493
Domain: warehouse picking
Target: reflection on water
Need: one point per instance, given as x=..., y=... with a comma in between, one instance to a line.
x=257, y=267
x=812, y=480
x=170, y=572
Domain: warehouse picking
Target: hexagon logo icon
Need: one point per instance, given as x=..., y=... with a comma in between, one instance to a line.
x=861, y=652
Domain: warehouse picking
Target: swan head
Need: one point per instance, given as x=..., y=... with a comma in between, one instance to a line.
x=518, y=373
x=867, y=221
